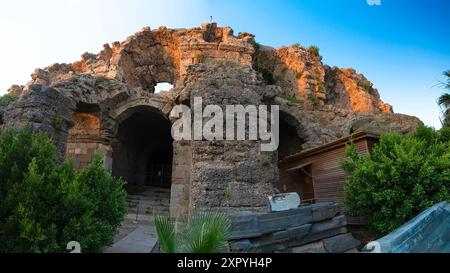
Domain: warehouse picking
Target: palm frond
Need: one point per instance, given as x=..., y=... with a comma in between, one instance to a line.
x=207, y=232
x=201, y=232
x=166, y=230
x=444, y=100
x=447, y=74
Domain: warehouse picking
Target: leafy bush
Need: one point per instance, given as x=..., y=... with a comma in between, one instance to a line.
x=298, y=75
x=7, y=99
x=368, y=86
x=403, y=176
x=314, y=50
x=202, y=232
x=44, y=206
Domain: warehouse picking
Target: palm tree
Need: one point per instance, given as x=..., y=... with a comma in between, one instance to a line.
x=201, y=232
x=444, y=100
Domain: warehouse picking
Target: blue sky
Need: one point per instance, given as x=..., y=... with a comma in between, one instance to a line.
x=402, y=46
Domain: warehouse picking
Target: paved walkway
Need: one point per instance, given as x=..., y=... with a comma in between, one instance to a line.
x=141, y=240
x=137, y=233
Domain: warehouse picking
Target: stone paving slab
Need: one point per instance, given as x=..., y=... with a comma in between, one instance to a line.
x=141, y=240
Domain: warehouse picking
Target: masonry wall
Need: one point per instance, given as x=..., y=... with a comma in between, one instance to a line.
x=319, y=228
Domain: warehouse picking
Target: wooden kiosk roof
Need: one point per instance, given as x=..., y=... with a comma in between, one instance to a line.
x=330, y=146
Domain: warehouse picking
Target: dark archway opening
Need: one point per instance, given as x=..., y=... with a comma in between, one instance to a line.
x=143, y=150
x=298, y=177
x=290, y=141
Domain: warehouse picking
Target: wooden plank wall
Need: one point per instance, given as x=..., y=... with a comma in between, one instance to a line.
x=328, y=175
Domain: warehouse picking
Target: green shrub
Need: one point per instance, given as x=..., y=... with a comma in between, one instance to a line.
x=321, y=88
x=201, y=232
x=297, y=45
x=314, y=50
x=200, y=58
x=298, y=75
x=403, y=176
x=44, y=206
x=257, y=46
x=291, y=98
x=7, y=99
x=313, y=99
x=58, y=122
x=367, y=86
x=267, y=76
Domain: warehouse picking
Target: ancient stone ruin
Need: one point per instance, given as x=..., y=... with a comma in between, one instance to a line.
x=107, y=103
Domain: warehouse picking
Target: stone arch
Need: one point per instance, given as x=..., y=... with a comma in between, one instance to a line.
x=160, y=62
x=142, y=140
x=127, y=108
x=85, y=138
x=292, y=140
x=292, y=135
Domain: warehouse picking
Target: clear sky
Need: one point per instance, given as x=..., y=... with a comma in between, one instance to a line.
x=403, y=46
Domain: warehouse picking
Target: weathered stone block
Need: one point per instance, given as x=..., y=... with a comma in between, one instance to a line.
x=323, y=211
x=317, y=247
x=277, y=221
x=244, y=225
x=299, y=232
x=340, y=243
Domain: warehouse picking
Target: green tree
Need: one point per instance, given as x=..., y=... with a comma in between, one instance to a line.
x=404, y=175
x=444, y=100
x=44, y=206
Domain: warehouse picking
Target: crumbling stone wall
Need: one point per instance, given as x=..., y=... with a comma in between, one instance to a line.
x=229, y=175
x=320, y=103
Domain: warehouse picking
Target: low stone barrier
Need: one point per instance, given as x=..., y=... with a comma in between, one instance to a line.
x=316, y=228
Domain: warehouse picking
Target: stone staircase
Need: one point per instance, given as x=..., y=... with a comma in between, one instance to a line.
x=145, y=202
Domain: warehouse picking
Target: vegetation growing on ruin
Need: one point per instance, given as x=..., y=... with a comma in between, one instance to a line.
x=44, y=206
x=298, y=75
x=313, y=99
x=201, y=232
x=291, y=98
x=200, y=58
x=367, y=86
x=314, y=50
x=7, y=99
x=267, y=76
x=257, y=46
x=321, y=88
x=58, y=122
x=404, y=175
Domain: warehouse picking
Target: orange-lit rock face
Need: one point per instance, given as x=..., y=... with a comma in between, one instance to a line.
x=163, y=55
x=295, y=69
x=348, y=90
x=152, y=56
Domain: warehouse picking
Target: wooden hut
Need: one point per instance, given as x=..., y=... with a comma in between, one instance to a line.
x=316, y=173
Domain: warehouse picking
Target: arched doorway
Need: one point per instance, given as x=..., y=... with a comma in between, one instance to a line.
x=142, y=150
x=297, y=178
